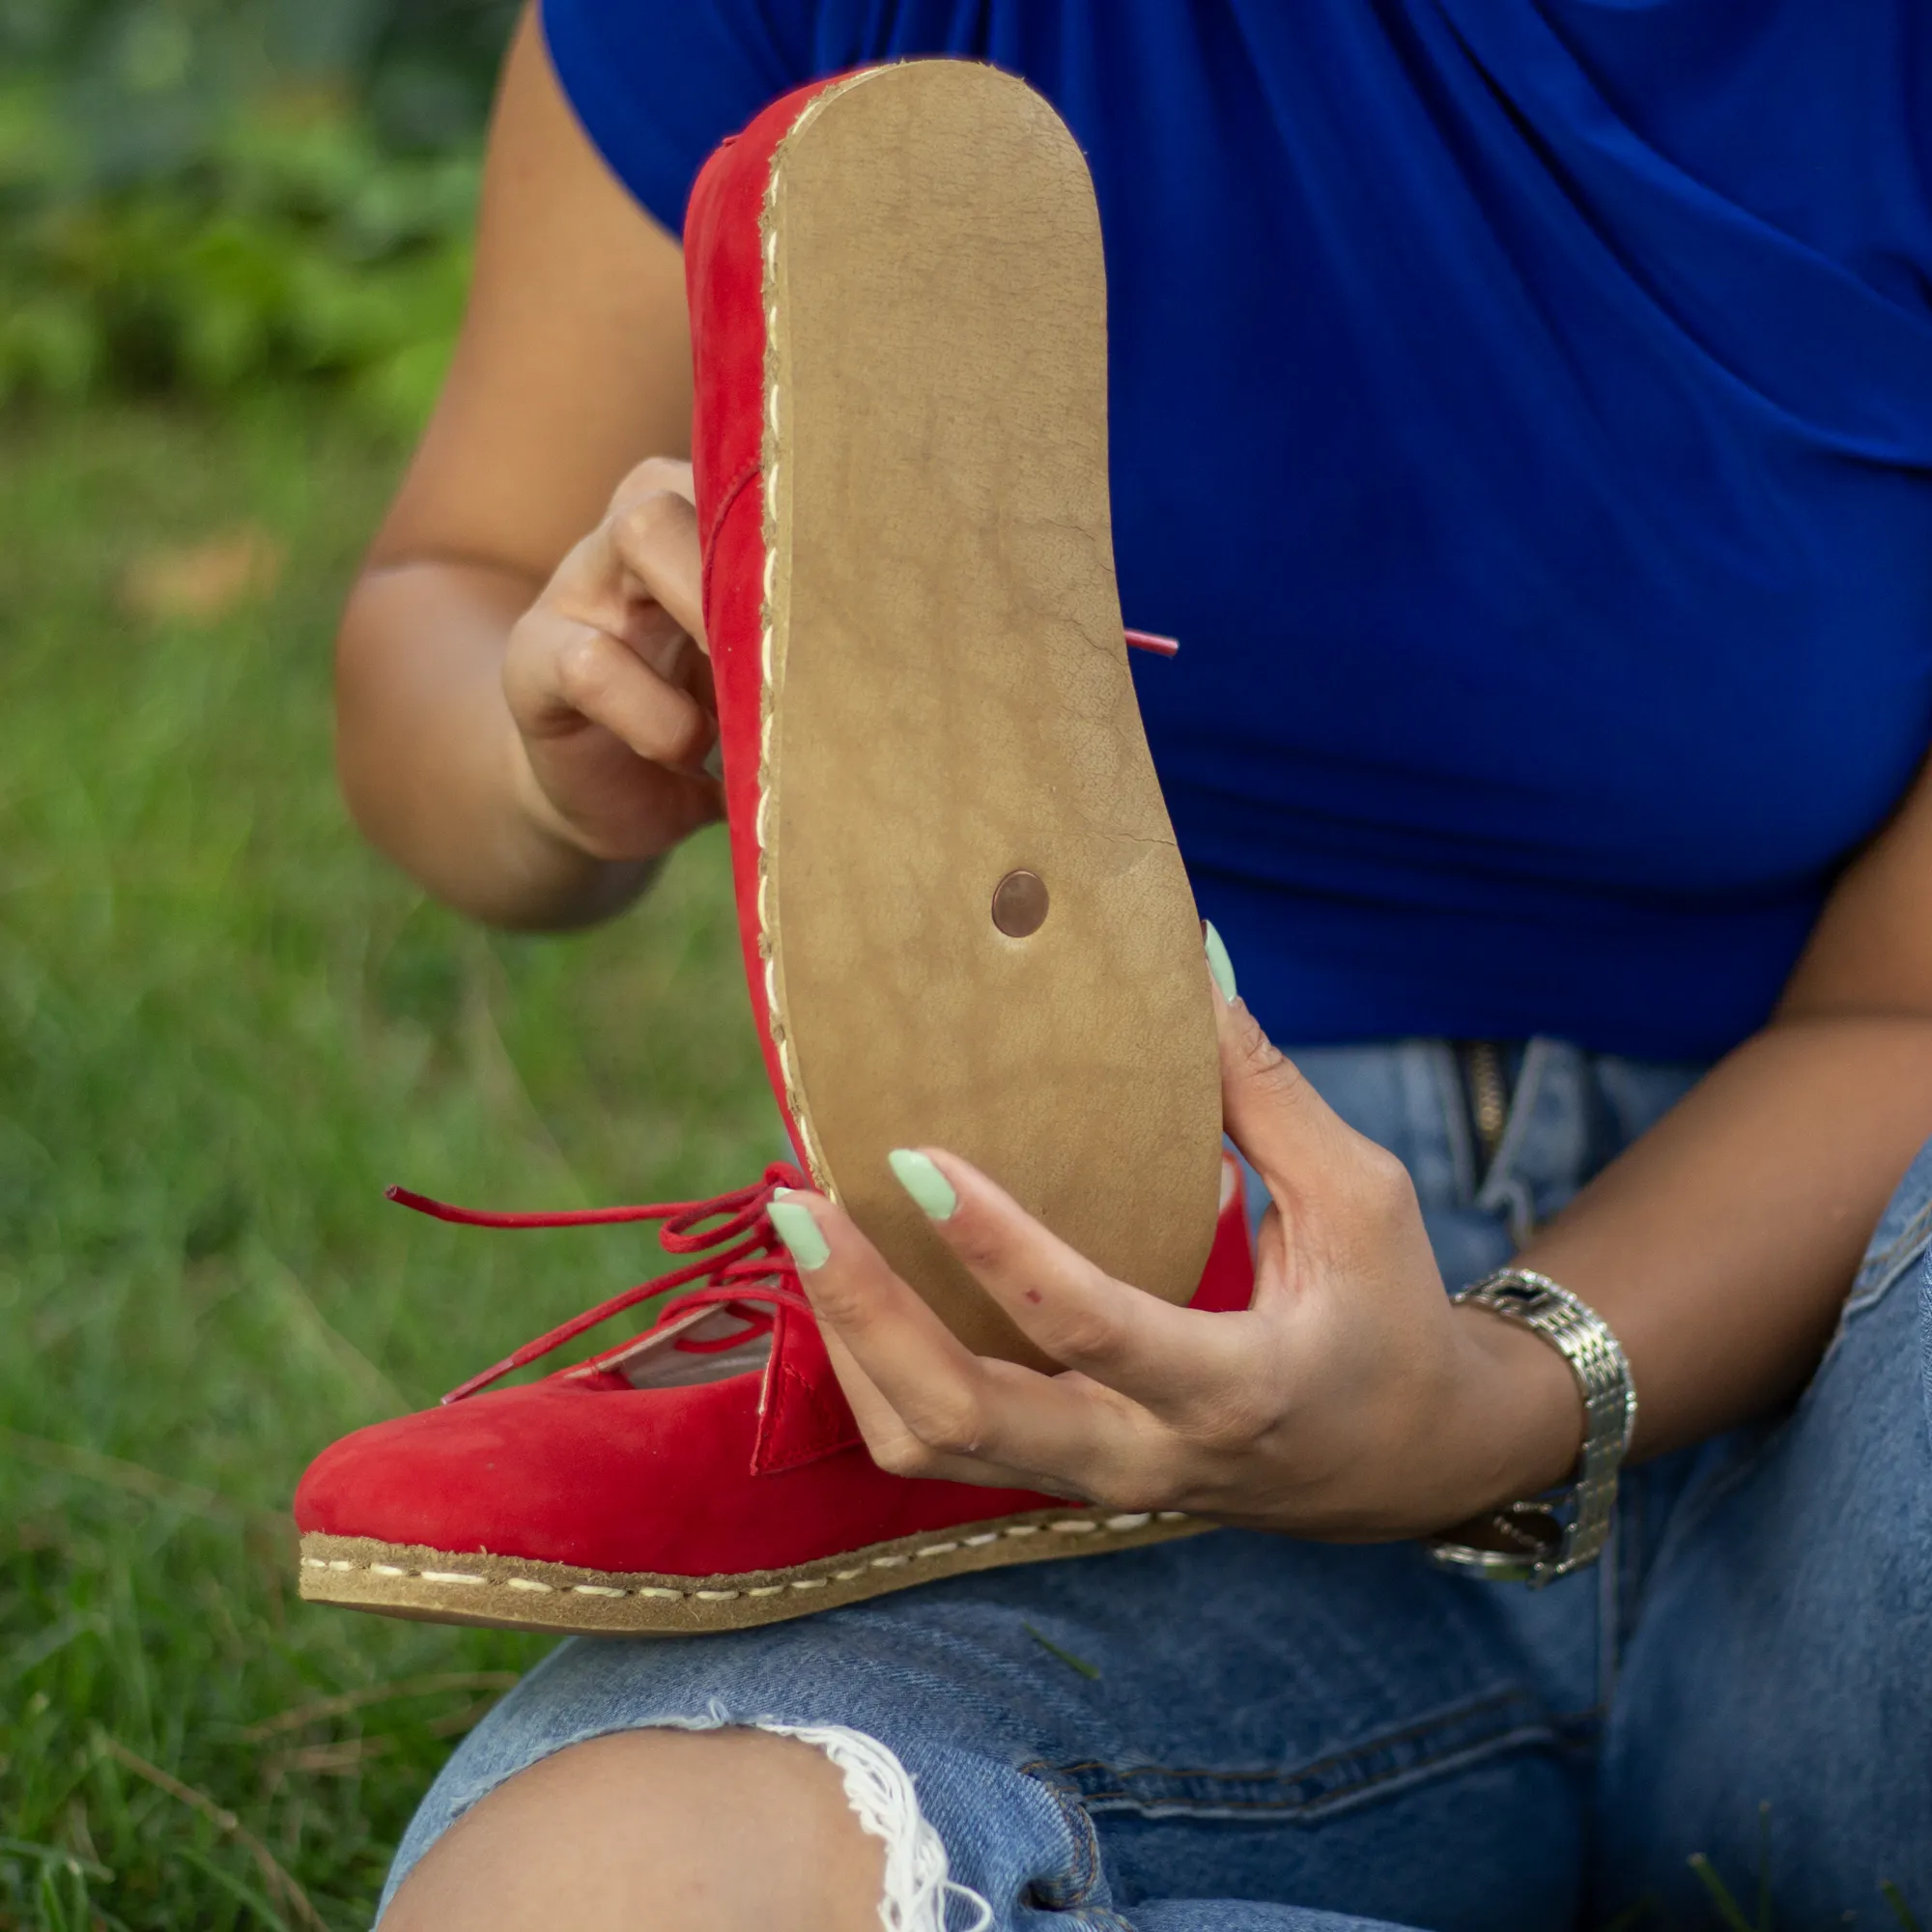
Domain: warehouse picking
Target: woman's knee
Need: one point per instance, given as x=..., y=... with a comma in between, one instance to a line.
x=665, y=1828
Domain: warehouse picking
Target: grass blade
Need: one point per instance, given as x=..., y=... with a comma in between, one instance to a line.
x=1900, y=1911
x=277, y=1879
x=27, y=1848
x=1067, y=1656
x=346, y=1701
x=134, y=1479
x=1728, y=1909
x=229, y=1883
x=1634, y=1915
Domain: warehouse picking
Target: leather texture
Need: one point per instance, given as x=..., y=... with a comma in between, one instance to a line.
x=757, y=1472
x=900, y=453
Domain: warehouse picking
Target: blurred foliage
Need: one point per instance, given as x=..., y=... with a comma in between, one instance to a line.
x=199, y=195
x=224, y=1025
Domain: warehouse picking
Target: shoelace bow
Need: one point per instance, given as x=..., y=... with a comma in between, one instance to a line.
x=751, y=1265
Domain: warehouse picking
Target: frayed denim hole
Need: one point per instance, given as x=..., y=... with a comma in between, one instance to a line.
x=919, y=1890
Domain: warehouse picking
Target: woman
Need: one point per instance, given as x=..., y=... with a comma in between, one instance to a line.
x=1524, y=414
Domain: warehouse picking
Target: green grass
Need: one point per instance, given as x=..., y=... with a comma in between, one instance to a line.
x=224, y=1025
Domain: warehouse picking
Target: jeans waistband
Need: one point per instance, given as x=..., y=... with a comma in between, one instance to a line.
x=1571, y=1113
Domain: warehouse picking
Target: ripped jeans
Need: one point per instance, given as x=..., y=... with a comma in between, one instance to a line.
x=1245, y=1733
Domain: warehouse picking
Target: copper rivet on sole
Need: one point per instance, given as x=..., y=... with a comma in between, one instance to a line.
x=1019, y=904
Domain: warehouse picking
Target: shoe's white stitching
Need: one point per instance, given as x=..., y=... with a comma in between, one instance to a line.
x=1119, y=1525
x=768, y=669
x=771, y=671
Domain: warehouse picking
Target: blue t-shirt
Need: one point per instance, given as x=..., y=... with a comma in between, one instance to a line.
x=1521, y=413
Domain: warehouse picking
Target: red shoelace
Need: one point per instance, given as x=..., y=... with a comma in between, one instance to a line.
x=742, y=1262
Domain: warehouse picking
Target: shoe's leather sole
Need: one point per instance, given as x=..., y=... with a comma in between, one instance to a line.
x=517, y=1593
x=949, y=702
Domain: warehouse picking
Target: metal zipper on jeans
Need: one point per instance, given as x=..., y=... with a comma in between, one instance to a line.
x=1489, y=1094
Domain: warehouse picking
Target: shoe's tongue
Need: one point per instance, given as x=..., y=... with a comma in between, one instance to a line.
x=802, y=1413
x=656, y=1360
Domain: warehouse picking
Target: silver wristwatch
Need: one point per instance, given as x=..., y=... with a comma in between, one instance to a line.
x=1539, y=1539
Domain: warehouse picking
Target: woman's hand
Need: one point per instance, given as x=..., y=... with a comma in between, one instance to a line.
x=1349, y=1401
x=608, y=681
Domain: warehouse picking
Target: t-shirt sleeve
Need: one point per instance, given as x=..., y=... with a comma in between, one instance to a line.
x=657, y=84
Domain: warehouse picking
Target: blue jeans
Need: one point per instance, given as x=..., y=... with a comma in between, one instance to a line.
x=1244, y=1731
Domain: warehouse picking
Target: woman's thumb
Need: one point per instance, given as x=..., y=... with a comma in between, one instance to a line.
x=1268, y=1108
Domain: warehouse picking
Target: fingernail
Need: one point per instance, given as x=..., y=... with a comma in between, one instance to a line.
x=924, y=1183
x=1218, y=962
x=799, y=1231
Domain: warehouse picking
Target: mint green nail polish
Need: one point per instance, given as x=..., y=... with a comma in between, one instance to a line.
x=924, y=1183
x=1218, y=962
x=800, y=1232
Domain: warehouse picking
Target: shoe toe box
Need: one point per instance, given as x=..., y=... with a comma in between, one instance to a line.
x=561, y=1472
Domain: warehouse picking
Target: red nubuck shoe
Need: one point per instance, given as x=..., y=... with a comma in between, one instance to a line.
x=705, y=1475
x=964, y=918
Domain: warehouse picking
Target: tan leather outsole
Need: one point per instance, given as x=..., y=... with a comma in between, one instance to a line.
x=401, y=1580
x=949, y=701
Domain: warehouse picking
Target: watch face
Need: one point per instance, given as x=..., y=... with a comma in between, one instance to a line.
x=1520, y=1299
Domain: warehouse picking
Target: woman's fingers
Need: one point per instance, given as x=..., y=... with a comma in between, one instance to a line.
x=616, y=638
x=594, y=677
x=1165, y=1359
x=1319, y=1171
x=1270, y=1111
x=896, y=1446
x=603, y=672
x=1320, y=1409
x=607, y=685
x=592, y=792
x=927, y=1406
x=654, y=538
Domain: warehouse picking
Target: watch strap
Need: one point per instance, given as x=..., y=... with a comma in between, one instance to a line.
x=1543, y=1538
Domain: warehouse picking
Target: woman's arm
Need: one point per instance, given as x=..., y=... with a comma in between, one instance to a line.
x=1720, y=1247
x=544, y=805
x=1351, y=1400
